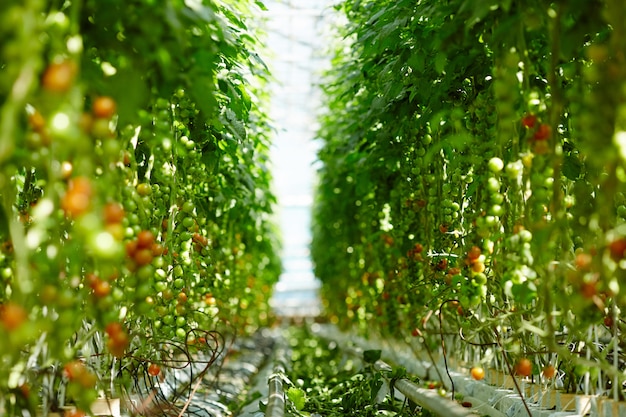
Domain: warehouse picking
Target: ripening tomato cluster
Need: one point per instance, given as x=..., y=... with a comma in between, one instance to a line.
x=142, y=250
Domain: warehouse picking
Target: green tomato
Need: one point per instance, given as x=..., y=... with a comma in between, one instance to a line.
x=496, y=210
x=178, y=271
x=104, y=245
x=160, y=274
x=189, y=222
x=188, y=207
x=493, y=185
x=495, y=164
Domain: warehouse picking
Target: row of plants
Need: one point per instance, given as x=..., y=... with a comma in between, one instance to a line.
x=472, y=187
x=135, y=223
x=322, y=379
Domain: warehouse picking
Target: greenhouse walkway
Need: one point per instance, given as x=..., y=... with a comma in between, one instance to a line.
x=304, y=368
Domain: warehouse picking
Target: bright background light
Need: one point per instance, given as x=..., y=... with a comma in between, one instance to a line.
x=296, y=40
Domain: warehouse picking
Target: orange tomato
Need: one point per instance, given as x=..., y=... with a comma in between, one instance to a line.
x=154, y=369
x=473, y=253
x=113, y=213
x=104, y=107
x=77, y=199
x=12, y=315
x=477, y=373
x=143, y=257
x=549, y=371
x=58, y=77
x=524, y=367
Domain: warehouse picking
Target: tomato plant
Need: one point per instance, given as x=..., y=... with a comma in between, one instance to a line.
x=124, y=182
x=461, y=162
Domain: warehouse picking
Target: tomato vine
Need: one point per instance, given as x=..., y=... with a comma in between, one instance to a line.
x=471, y=161
x=135, y=186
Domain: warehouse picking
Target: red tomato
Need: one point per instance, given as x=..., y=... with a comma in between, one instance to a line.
x=154, y=369
x=157, y=249
x=583, y=261
x=529, y=121
x=442, y=265
x=543, y=132
x=618, y=249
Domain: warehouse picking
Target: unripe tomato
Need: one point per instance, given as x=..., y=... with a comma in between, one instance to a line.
x=495, y=164
x=478, y=267
x=144, y=189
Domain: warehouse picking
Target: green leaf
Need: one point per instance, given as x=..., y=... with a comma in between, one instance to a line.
x=297, y=397
x=440, y=62
x=372, y=355
x=261, y=5
x=572, y=167
x=375, y=385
